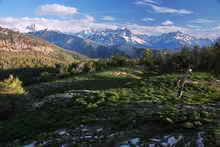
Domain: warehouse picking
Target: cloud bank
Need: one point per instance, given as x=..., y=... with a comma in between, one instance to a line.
x=167, y=22
x=87, y=22
x=24, y=24
x=56, y=10
x=157, y=8
x=69, y=26
x=108, y=18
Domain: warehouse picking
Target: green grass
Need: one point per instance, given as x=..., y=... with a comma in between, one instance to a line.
x=115, y=73
x=120, y=98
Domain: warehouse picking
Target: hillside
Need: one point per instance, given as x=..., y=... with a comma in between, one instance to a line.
x=18, y=47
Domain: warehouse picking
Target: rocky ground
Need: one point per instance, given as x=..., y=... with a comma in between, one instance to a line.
x=217, y=131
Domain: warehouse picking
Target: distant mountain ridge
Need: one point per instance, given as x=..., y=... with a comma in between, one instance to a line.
x=112, y=37
x=122, y=36
x=176, y=40
x=121, y=41
x=74, y=43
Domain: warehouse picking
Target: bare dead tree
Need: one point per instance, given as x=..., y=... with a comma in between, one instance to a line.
x=182, y=81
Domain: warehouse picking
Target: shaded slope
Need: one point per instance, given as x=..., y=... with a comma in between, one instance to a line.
x=74, y=43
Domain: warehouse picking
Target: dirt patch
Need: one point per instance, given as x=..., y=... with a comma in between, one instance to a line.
x=120, y=73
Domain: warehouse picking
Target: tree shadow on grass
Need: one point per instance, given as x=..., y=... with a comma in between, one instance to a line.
x=27, y=75
x=45, y=89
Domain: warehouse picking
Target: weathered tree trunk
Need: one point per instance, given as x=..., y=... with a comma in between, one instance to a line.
x=181, y=83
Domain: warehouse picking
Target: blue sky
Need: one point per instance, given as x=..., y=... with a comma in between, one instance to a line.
x=152, y=17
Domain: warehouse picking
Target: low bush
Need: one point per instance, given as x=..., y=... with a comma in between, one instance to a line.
x=12, y=85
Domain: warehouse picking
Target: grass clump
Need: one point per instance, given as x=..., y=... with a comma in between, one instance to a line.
x=12, y=85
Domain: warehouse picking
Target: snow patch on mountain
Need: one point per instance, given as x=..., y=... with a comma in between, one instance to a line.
x=138, y=40
x=122, y=37
x=101, y=43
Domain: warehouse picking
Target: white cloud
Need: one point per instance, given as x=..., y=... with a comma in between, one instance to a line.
x=203, y=21
x=167, y=22
x=77, y=25
x=68, y=26
x=196, y=28
x=159, y=9
x=193, y=26
x=217, y=28
x=148, y=19
x=207, y=34
x=166, y=10
x=155, y=30
x=158, y=30
x=56, y=10
x=108, y=18
x=88, y=22
x=211, y=33
x=146, y=2
x=88, y=19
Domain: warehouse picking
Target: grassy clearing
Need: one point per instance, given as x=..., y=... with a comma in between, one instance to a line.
x=123, y=95
x=118, y=73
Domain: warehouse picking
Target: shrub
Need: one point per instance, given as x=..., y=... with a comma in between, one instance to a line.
x=101, y=65
x=119, y=61
x=45, y=76
x=89, y=67
x=75, y=68
x=11, y=94
x=61, y=68
x=12, y=85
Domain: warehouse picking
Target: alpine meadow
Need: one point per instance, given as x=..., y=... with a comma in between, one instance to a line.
x=131, y=73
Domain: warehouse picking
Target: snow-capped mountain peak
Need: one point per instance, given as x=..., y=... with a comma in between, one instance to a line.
x=176, y=40
x=105, y=43
x=180, y=36
x=110, y=37
x=122, y=37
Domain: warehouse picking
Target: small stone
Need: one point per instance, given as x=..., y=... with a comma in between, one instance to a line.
x=188, y=125
x=135, y=141
x=197, y=123
x=31, y=145
x=152, y=145
x=99, y=130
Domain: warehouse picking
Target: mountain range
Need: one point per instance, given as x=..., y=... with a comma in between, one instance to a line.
x=122, y=36
x=106, y=43
x=74, y=43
